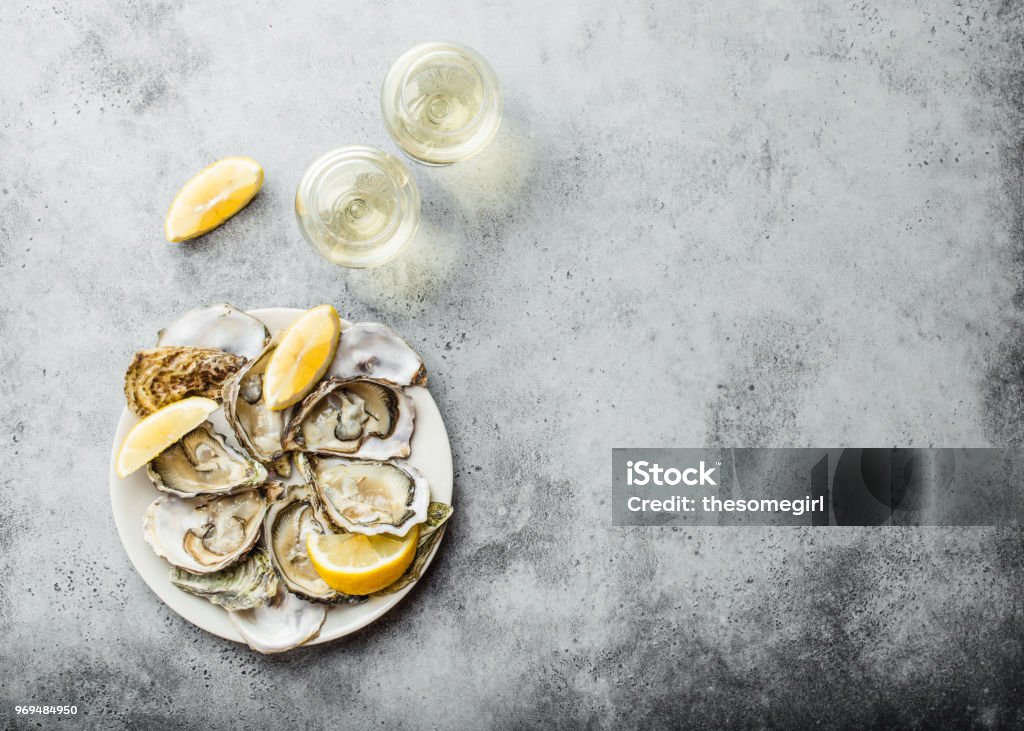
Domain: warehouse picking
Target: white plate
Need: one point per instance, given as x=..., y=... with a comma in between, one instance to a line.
x=130, y=497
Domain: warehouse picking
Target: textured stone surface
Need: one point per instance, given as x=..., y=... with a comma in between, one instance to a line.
x=790, y=223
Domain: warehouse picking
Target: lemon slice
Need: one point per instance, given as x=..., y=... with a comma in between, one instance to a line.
x=212, y=197
x=360, y=565
x=159, y=430
x=302, y=357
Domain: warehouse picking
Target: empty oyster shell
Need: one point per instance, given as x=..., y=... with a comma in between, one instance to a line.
x=222, y=327
x=160, y=376
x=360, y=417
x=372, y=350
x=285, y=528
x=248, y=584
x=257, y=428
x=202, y=463
x=204, y=534
x=370, y=497
x=285, y=622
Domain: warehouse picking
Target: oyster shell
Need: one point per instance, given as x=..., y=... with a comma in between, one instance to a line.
x=430, y=533
x=372, y=350
x=257, y=428
x=206, y=533
x=360, y=417
x=286, y=622
x=202, y=463
x=370, y=497
x=222, y=327
x=285, y=528
x=160, y=376
x=282, y=466
x=248, y=584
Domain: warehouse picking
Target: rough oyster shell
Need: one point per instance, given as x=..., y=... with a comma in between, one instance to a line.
x=372, y=350
x=219, y=326
x=370, y=497
x=285, y=528
x=285, y=622
x=430, y=533
x=202, y=463
x=204, y=534
x=257, y=428
x=160, y=376
x=358, y=418
x=248, y=584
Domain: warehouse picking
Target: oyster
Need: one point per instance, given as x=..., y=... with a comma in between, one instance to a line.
x=370, y=497
x=202, y=463
x=160, y=376
x=218, y=326
x=206, y=533
x=248, y=584
x=257, y=428
x=371, y=350
x=285, y=528
x=360, y=417
x=286, y=622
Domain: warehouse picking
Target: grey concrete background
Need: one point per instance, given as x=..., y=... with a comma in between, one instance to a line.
x=724, y=222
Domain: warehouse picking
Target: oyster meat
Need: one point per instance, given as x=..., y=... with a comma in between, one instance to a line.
x=285, y=622
x=160, y=376
x=202, y=463
x=206, y=533
x=372, y=350
x=222, y=327
x=257, y=428
x=359, y=417
x=370, y=497
x=288, y=523
x=248, y=584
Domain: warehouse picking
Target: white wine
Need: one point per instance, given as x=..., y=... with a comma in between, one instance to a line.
x=358, y=209
x=358, y=206
x=441, y=103
x=444, y=97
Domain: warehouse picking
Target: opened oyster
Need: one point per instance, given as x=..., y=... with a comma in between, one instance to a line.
x=247, y=584
x=204, y=534
x=288, y=523
x=370, y=497
x=202, y=463
x=371, y=350
x=258, y=429
x=222, y=327
x=160, y=376
x=285, y=622
x=356, y=418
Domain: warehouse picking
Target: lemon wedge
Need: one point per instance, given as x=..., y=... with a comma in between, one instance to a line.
x=302, y=357
x=212, y=197
x=159, y=430
x=360, y=565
